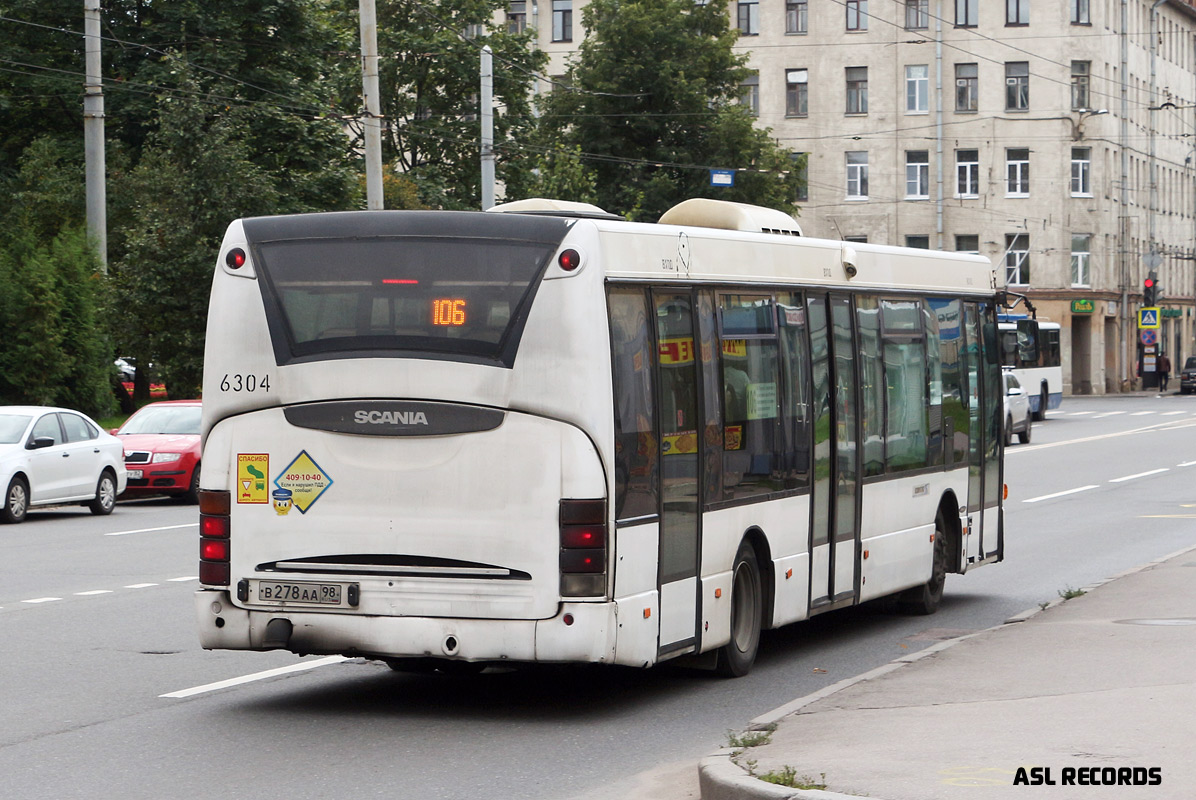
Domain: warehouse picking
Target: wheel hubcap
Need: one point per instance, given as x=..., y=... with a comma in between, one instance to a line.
x=17, y=500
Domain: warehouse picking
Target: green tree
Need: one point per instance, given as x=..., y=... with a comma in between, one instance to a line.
x=429, y=65
x=57, y=349
x=196, y=175
x=654, y=105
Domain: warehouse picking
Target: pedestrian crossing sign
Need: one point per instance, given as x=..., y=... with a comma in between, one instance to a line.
x=1148, y=318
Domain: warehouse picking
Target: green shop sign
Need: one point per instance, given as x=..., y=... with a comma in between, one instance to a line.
x=1173, y=312
x=1082, y=307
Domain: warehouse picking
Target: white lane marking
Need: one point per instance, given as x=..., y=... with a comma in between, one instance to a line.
x=151, y=530
x=1061, y=494
x=1186, y=464
x=257, y=676
x=42, y=600
x=184, y=578
x=1108, y=414
x=1141, y=413
x=140, y=585
x=1158, y=427
x=1080, y=413
x=92, y=592
x=1139, y=475
x=1170, y=413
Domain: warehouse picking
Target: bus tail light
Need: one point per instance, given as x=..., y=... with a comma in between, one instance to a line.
x=214, y=543
x=583, y=548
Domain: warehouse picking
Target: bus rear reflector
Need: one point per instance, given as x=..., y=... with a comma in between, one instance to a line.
x=583, y=536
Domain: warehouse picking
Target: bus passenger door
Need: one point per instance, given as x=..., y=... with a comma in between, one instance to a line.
x=835, y=496
x=680, y=476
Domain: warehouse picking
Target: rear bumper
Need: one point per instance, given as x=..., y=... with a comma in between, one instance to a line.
x=590, y=638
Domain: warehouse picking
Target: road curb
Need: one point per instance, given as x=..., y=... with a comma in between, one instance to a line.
x=721, y=778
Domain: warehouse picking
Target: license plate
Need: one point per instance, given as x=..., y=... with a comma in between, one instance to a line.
x=293, y=593
x=135, y=474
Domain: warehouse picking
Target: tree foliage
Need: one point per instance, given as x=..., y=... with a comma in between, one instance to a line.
x=429, y=78
x=654, y=105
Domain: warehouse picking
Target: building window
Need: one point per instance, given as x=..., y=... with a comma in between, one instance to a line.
x=1079, y=12
x=562, y=20
x=920, y=242
x=917, y=14
x=917, y=174
x=857, y=15
x=917, y=89
x=857, y=175
x=967, y=90
x=801, y=163
x=749, y=17
x=857, y=90
x=797, y=16
x=1017, y=259
x=1017, y=12
x=967, y=172
x=967, y=13
x=517, y=16
x=856, y=239
x=967, y=243
x=1017, y=172
x=749, y=93
x=1017, y=85
x=1081, y=245
x=1081, y=80
x=1081, y=172
x=797, y=93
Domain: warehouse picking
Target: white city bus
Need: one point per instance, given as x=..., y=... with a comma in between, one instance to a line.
x=448, y=440
x=1030, y=350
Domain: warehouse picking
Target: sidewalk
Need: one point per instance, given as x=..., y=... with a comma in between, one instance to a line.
x=1098, y=688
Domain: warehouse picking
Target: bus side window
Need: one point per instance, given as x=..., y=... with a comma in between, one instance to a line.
x=908, y=422
x=956, y=423
x=750, y=364
x=636, y=441
x=872, y=385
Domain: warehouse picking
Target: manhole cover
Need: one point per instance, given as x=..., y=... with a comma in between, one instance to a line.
x=1171, y=621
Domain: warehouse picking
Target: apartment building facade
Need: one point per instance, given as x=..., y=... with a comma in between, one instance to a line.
x=1057, y=137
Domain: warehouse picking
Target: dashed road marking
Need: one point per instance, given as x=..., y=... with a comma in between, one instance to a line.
x=152, y=530
x=140, y=585
x=257, y=676
x=93, y=592
x=1061, y=494
x=1139, y=475
x=1141, y=413
x=42, y=600
x=184, y=578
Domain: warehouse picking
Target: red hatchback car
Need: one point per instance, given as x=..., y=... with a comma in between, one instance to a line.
x=161, y=444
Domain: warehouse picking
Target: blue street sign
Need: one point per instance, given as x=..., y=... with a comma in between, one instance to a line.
x=722, y=177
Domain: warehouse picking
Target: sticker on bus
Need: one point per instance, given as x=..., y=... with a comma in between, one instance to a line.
x=305, y=480
x=252, y=469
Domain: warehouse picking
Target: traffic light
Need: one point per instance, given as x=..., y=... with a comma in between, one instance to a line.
x=1150, y=290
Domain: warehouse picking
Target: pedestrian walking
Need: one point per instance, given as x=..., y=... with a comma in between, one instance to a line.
x=1163, y=365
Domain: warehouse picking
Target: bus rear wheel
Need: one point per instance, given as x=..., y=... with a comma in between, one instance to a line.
x=925, y=599
x=736, y=657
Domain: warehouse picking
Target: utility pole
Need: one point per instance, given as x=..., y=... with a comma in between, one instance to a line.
x=487, y=129
x=373, y=106
x=93, y=134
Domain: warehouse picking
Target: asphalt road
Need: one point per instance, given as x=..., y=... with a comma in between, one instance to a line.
x=97, y=624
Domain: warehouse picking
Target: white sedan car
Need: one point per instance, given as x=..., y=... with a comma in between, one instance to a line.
x=1017, y=410
x=52, y=456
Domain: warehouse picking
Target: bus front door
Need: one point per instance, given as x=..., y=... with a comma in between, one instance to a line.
x=680, y=424
x=835, y=499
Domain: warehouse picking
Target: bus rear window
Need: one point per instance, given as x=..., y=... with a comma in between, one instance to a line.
x=412, y=296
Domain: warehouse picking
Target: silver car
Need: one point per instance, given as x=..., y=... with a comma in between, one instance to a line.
x=54, y=456
x=1018, y=418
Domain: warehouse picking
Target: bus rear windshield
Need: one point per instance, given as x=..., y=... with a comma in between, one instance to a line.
x=410, y=296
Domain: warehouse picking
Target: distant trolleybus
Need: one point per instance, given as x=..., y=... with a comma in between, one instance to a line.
x=1030, y=349
x=542, y=433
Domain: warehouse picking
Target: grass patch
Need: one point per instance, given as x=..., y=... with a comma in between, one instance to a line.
x=740, y=741
x=1070, y=593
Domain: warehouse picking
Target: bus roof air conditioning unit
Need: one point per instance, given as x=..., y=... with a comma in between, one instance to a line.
x=728, y=216
x=545, y=206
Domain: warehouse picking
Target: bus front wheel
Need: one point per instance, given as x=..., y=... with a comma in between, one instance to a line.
x=736, y=657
